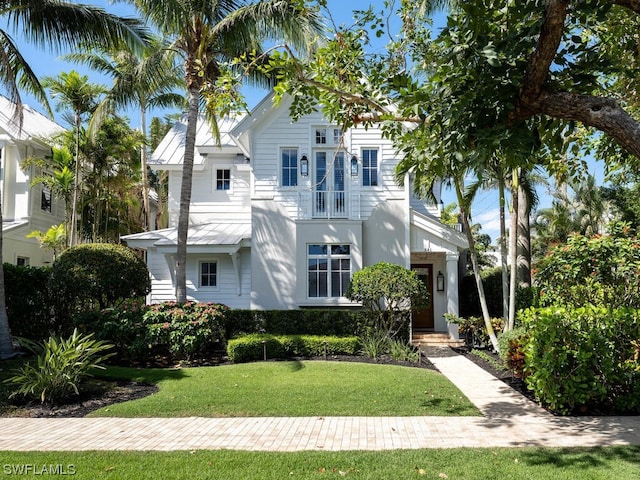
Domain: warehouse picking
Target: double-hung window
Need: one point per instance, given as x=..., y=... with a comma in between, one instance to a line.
x=289, y=158
x=369, y=167
x=223, y=179
x=208, y=274
x=329, y=270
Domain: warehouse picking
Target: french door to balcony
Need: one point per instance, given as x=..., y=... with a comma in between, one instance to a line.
x=329, y=195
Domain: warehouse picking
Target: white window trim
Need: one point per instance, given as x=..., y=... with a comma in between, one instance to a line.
x=330, y=297
x=361, y=159
x=280, y=166
x=208, y=287
x=214, y=183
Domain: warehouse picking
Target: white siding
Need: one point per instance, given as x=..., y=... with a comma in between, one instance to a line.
x=225, y=292
x=208, y=204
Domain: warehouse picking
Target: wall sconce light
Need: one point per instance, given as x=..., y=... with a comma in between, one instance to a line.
x=440, y=282
x=354, y=166
x=304, y=165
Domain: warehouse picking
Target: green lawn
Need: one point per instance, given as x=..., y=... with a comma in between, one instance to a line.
x=305, y=388
x=469, y=464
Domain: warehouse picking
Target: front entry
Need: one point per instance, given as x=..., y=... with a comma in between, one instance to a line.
x=423, y=319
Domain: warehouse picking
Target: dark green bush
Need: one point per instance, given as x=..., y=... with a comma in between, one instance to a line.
x=187, y=330
x=123, y=326
x=97, y=276
x=30, y=306
x=252, y=347
x=182, y=331
x=492, y=284
x=583, y=358
x=303, y=322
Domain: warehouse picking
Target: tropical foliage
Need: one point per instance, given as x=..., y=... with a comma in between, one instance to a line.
x=60, y=366
x=597, y=270
x=583, y=358
x=391, y=291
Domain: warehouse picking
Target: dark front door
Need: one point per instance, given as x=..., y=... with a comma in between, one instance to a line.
x=423, y=319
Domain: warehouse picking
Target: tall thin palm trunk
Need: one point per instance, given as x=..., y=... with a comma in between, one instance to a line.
x=6, y=346
x=185, y=193
x=474, y=262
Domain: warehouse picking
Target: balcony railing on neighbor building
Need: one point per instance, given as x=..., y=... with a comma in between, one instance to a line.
x=329, y=204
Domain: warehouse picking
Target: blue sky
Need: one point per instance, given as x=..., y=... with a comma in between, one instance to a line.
x=485, y=208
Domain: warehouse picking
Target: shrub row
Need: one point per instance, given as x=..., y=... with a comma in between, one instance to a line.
x=182, y=331
x=300, y=322
x=252, y=347
x=583, y=358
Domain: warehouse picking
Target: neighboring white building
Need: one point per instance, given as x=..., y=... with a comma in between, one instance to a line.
x=282, y=214
x=25, y=208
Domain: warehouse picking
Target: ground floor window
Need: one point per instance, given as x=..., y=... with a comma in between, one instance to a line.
x=22, y=261
x=208, y=274
x=329, y=270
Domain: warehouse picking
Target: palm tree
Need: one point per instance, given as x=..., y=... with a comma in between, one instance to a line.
x=74, y=91
x=60, y=182
x=52, y=24
x=146, y=81
x=209, y=35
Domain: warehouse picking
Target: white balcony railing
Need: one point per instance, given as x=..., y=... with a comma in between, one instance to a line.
x=329, y=204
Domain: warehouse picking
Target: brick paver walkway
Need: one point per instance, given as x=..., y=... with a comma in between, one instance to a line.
x=509, y=419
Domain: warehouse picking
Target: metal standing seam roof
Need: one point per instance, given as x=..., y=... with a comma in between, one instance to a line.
x=170, y=151
x=34, y=124
x=204, y=234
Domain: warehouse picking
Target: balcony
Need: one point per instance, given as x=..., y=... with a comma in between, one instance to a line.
x=328, y=204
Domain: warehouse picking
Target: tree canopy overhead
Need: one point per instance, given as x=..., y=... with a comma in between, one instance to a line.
x=500, y=76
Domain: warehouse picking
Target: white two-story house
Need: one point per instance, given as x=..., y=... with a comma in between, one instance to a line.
x=25, y=208
x=283, y=213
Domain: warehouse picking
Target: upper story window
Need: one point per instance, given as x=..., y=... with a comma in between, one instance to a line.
x=223, y=179
x=369, y=167
x=289, y=158
x=321, y=136
x=337, y=136
x=45, y=199
x=208, y=274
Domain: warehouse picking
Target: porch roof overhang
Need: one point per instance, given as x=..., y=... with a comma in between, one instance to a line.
x=203, y=238
x=429, y=234
x=9, y=225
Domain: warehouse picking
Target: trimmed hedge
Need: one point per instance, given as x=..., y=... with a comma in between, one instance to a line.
x=252, y=347
x=581, y=359
x=336, y=322
x=31, y=304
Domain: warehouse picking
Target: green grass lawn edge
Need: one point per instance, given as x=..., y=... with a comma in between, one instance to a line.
x=292, y=388
x=461, y=463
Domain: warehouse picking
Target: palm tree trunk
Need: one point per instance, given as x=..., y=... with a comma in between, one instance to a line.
x=513, y=250
x=6, y=346
x=524, y=239
x=185, y=195
x=476, y=269
x=76, y=187
x=503, y=251
x=145, y=180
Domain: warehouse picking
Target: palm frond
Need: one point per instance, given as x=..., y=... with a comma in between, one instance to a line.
x=58, y=23
x=17, y=75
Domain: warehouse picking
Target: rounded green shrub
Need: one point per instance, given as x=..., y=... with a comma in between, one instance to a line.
x=99, y=275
